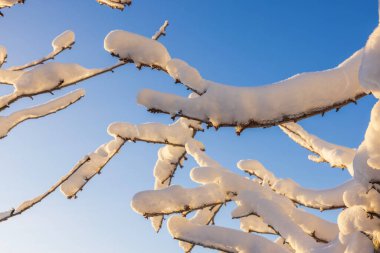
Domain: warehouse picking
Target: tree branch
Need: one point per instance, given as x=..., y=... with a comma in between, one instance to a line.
x=30, y=203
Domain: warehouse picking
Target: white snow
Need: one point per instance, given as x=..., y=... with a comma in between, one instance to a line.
x=115, y=4
x=161, y=31
x=142, y=50
x=335, y=155
x=49, y=76
x=176, y=199
x=8, y=122
x=253, y=223
x=97, y=160
x=9, y=3
x=220, y=238
x=369, y=73
x=153, y=132
x=3, y=55
x=64, y=40
x=230, y=105
x=366, y=163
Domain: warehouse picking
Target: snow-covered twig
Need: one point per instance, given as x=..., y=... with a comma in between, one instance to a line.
x=175, y=135
x=62, y=42
x=219, y=238
x=326, y=199
x=223, y=105
x=9, y=4
x=115, y=4
x=336, y=156
x=9, y=122
x=161, y=31
x=30, y=203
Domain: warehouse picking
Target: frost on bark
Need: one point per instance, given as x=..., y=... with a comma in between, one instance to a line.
x=264, y=205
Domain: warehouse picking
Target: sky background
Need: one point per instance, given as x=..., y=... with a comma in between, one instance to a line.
x=248, y=43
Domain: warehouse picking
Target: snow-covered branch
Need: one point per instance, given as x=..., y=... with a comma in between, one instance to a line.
x=176, y=135
x=161, y=31
x=9, y=4
x=12, y=120
x=319, y=199
x=3, y=55
x=62, y=42
x=115, y=4
x=336, y=156
x=298, y=97
x=30, y=203
x=176, y=199
x=219, y=238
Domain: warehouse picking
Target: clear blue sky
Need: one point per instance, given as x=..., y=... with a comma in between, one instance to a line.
x=243, y=43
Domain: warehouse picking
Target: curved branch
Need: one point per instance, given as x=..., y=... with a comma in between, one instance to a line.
x=177, y=106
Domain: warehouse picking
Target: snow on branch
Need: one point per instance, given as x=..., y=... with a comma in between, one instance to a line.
x=3, y=55
x=336, y=156
x=219, y=186
x=298, y=97
x=115, y=4
x=30, y=203
x=219, y=238
x=12, y=120
x=9, y=4
x=62, y=42
x=254, y=223
x=176, y=199
x=176, y=135
x=233, y=183
x=169, y=158
x=48, y=77
x=203, y=216
x=161, y=31
x=275, y=212
x=43, y=79
x=318, y=199
x=97, y=160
